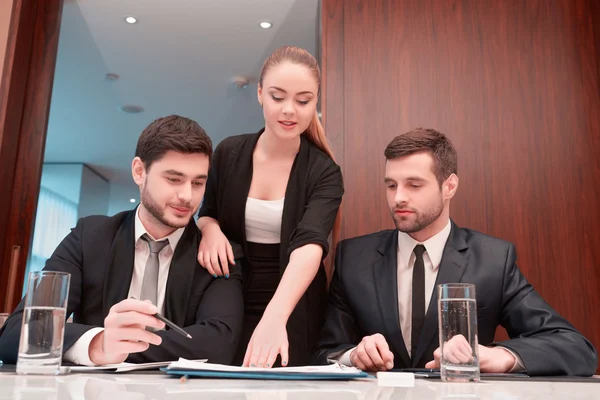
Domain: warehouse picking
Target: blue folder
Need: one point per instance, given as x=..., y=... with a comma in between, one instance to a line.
x=264, y=375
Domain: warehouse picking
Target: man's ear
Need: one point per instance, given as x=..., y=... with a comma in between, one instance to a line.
x=450, y=186
x=138, y=171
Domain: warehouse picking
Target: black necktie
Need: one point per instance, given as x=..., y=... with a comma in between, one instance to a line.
x=418, y=298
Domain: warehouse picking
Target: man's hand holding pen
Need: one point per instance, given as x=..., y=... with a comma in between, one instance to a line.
x=125, y=332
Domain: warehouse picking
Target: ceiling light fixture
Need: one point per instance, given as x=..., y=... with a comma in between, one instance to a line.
x=240, y=81
x=265, y=24
x=132, y=200
x=131, y=109
x=130, y=20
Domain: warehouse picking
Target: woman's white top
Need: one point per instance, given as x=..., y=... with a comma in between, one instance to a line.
x=263, y=220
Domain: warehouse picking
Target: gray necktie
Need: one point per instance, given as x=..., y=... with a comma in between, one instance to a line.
x=150, y=282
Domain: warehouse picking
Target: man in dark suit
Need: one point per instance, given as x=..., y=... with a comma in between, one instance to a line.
x=382, y=311
x=149, y=254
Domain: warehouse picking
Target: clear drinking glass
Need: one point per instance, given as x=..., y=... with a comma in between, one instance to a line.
x=43, y=326
x=3, y=318
x=457, y=313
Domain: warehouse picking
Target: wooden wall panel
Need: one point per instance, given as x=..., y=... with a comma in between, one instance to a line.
x=12, y=96
x=332, y=25
x=24, y=107
x=5, y=14
x=516, y=86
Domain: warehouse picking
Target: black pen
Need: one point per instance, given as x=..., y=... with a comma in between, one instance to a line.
x=169, y=323
x=420, y=370
x=172, y=325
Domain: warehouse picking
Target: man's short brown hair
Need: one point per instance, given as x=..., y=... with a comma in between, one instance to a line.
x=176, y=133
x=445, y=158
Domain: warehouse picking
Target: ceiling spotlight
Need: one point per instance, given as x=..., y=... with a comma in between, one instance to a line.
x=240, y=82
x=131, y=109
x=130, y=20
x=132, y=200
x=265, y=24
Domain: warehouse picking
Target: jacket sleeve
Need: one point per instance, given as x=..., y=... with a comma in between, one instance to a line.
x=546, y=343
x=215, y=333
x=340, y=331
x=67, y=257
x=320, y=211
x=209, y=206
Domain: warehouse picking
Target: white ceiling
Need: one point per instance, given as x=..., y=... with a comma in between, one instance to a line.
x=179, y=58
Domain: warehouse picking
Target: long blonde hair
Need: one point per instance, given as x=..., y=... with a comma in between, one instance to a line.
x=315, y=132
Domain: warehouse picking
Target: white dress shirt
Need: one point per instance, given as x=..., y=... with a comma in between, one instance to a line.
x=434, y=248
x=79, y=352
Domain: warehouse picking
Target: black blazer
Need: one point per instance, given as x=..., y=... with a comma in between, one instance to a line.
x=99, y=255
x=364, y=301
x=312, y=198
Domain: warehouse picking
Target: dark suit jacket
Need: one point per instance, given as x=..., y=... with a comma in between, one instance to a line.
x=312, y=198
x=99, y=255
x=363, y=301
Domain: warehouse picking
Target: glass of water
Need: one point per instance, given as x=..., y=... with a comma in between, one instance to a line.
x=457, y=313
x=43, y=326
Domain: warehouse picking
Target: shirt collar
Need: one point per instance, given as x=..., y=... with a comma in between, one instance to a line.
x=434, y=246
x=140, y=231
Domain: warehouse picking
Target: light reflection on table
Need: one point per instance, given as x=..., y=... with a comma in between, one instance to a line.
x=157, y=386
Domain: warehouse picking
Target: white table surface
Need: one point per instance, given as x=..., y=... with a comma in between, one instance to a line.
x=159, y=386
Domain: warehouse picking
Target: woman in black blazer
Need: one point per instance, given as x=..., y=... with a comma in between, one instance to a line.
x=276, y=194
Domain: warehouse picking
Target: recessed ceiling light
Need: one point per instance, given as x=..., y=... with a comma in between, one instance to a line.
x=131, y=109
x=265, y=24
x=132, y=200
x=130, y=20
x=241, y=82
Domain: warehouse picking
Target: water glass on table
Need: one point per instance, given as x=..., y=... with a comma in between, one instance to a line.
x=457, y=313
x=43, y=325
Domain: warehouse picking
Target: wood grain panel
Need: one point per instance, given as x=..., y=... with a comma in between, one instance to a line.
x=516, y=86
x=12, y=96
x=332, y=21
x=27, y=84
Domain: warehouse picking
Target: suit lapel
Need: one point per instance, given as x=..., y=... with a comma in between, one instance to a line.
x=120, y=268
x=181, y=275
x=385, y=275
x=451, y=270
x=237, y=181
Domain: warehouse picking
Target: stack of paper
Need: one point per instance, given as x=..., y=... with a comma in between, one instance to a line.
x=208, y=370
x=124, y=367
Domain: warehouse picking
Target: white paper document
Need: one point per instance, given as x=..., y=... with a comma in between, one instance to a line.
x=125, y=367
x=183, y=364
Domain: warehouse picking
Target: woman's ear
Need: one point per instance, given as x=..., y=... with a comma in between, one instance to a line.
x=259, y=95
